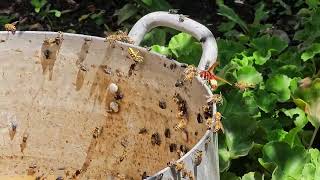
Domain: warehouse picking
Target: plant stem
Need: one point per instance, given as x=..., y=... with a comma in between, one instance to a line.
x=313, y=137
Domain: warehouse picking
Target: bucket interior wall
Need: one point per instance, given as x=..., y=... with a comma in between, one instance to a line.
x=57, y=106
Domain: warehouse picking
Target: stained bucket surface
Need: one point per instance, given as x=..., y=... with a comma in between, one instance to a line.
x=75, y=106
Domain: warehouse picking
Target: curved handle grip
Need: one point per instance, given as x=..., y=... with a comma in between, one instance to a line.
x=181, y=23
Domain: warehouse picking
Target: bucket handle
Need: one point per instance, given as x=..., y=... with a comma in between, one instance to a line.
x=181, y=23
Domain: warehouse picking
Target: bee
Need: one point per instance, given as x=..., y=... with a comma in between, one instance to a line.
x=178, y=166
x=155, y=139
x=188, y=174
x=11, y=27
x=197, y=157
x=215, y=98
x=217, y=123
x=173, y=11
x=190, y=72
x=97, y=131
x=182, y=17
x=119, y=36
x=180, y=153
x=244, y=86
x=181, y=125
x=135, y=55
x=209, y=123
x=159, y=177
x=82, y=67
x=207, y=141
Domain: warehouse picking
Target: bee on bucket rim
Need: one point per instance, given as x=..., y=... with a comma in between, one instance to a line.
x=11, y=27
x=215, y=98
x=190, y=72
x=217, y=123
x=178, y=166
x=135, y=55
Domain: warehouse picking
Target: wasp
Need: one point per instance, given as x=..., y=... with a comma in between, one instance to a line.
x=190, y=72
x=215, y=98
x=135, y=55
x=217, y=123
x=212, y=79
x=11, y=27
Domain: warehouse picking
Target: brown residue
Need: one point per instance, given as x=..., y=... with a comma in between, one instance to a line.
x=49, y=52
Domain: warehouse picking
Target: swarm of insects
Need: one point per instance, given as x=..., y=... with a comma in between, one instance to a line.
x=217, y=123
x=119, y=36
x=190, y=72
x=178, y=166
x=197, y=157
x=135, y=55
x=182, y=124
x=11, y=27
x=215, y=98
x=244, y=86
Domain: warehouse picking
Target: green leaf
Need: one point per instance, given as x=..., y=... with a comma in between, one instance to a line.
x=279, y=84
x=252, y=176
x=300, y=119
x=194, y=56
x=227, y=50
x=157, y=5
x=126, y=12
x=229, y=176
x=161, y=50
x=292, y=137
x=56, y=12
x=265, y=43
x=249, y=75
x=313, y=3
x=231, y=15
x=260, y=14
x=266, y=101
x=226, y=26
x=285, y=162
x=311, y=170
x=311, y=52
x=277, y=135
x=156, y=36
x=260, y=59
x=235, y=143
x=38, y=4
x=185, y=48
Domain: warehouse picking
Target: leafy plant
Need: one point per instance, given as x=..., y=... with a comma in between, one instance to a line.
x=274, y=103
